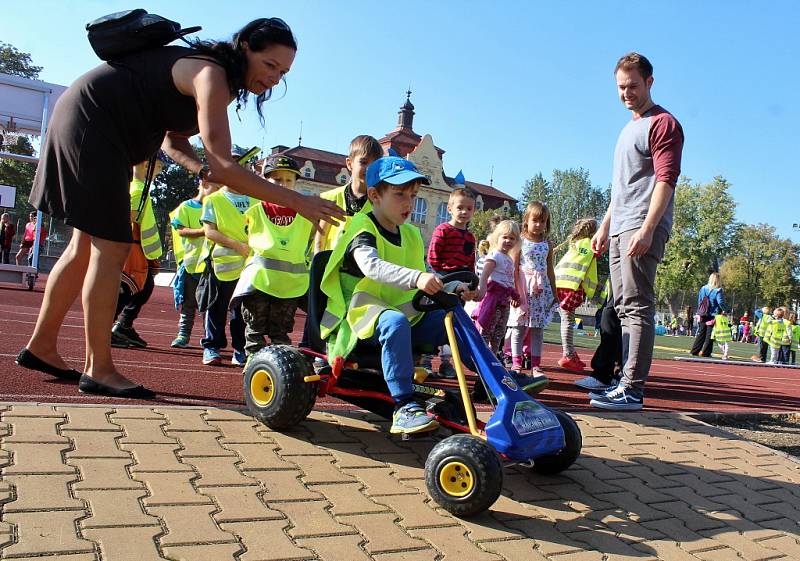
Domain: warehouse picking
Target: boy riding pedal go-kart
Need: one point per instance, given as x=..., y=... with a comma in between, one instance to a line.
x=365, y=306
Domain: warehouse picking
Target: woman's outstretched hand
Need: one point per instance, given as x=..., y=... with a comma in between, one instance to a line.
x=316, y=209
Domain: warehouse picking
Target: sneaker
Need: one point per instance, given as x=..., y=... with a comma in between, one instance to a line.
x=533, y=384
x=577, y=360
x=597, y=394
x=619, y=399
x=130, y=333
x=447, y=370
x=239, y=358
x=211, y=357
x=591, y=383
x=411, y=418
x=119, y=341
x=569, y=363
x=180, y=342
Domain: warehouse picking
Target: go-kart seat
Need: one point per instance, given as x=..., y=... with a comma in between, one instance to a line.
x=365, y=354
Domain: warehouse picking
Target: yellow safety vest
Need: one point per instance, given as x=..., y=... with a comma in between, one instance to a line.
x=359, y=301
x=763, y=325
x=337, y=196
x=187, y=250
x=778, y=333
x=578, y=268
x=722, y=329
x=279, y=252
x=795, y=337
x=228, y=264
x=148, y=229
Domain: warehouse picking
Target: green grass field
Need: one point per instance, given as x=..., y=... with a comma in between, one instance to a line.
x=666, y=347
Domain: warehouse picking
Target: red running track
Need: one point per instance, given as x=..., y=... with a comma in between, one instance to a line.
x=179, y=377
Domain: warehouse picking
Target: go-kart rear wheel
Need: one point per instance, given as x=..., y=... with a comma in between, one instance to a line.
x=573, y=442
x=464, y=475
x=274, y=388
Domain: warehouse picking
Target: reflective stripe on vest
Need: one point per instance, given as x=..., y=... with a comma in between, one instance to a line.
x=279, y=253
x=349, y=318
x=228, y=264
x=578, y=268
x=334, y=232
x=148, y=230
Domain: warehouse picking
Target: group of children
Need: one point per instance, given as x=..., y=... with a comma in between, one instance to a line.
x=258, y=254
x=779, y=334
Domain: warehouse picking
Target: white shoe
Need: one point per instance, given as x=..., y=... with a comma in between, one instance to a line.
x=591, y=383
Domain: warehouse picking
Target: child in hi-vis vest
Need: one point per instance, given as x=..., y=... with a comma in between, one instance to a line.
x=377, y=265
x=576, y=281
x=276, y=273
x=722, y=333
x=778, y=334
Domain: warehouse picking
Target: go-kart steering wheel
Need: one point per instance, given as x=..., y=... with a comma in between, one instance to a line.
x=444, y=300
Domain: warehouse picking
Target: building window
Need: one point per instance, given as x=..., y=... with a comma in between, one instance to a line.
x=420, y=211
x=342, y=179
x=308, y=170
x=442, y=215
x=479, y=203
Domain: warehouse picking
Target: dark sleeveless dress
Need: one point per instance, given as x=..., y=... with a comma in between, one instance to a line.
x=109, y=119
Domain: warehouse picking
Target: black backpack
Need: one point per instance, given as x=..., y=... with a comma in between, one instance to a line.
x=121, y=33
x=705, y=304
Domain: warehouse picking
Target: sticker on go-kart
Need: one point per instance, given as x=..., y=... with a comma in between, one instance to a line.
x=509, y=382
x=530, y=417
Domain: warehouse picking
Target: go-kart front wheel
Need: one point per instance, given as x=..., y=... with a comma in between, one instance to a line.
x=573, y=442
x=274, y=387
x=464, y=475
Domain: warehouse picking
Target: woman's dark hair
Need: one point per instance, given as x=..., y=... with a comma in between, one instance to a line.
x=258, y=34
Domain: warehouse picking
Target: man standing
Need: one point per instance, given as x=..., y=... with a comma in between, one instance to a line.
x=636, y=226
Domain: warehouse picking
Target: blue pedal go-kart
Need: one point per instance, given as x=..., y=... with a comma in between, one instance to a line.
x=464, y=471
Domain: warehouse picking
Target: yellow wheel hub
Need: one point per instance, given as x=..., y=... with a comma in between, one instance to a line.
x=456, y=479
x=262, y=388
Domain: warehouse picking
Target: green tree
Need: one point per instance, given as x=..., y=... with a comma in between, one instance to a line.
x=572, y=196
x=17, y=63
x=18, y=174
x=702, y=233
x=536, y=189
x=764, y=267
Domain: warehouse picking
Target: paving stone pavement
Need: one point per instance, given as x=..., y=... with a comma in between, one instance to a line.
x=118, y=484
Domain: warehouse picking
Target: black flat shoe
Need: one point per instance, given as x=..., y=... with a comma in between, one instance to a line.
x=87, y=385
x=27, y=359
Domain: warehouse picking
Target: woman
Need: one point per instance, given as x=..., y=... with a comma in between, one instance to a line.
x=115, y=116
x=713, y=292
x=26, y=247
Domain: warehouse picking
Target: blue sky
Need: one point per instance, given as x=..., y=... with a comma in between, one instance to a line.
x=520, y=86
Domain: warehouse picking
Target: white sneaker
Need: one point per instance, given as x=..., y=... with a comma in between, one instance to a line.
x=591, y=383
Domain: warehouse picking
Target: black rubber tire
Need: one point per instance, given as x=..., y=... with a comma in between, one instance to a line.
x=481, y=459
x=573, y=442
x=293, y=398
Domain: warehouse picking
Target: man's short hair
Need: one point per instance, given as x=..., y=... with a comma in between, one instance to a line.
x=366, y=146
x=635, y=61
x=465, y=192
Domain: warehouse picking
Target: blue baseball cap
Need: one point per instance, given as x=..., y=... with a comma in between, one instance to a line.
x=393, y=170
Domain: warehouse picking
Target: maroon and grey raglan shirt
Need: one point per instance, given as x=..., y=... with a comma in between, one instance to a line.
x=648, y=151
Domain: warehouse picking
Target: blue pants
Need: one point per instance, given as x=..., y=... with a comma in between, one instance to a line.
x=396, y=337
x=217, y=317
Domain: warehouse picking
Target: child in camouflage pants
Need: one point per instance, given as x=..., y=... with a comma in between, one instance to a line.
x=276, y=275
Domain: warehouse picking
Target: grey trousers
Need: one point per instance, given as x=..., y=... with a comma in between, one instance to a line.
x=633, y=286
